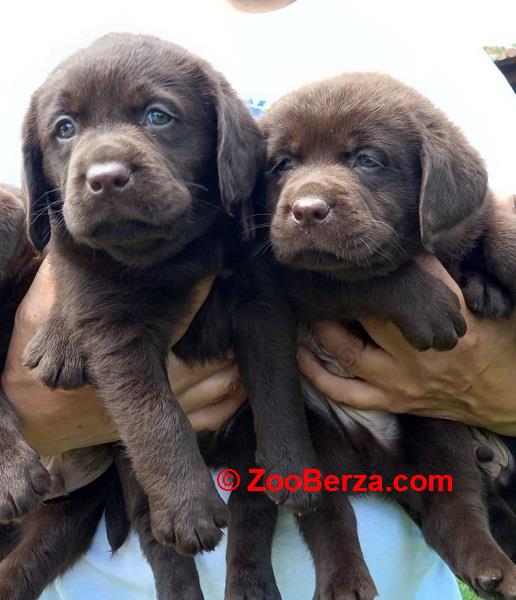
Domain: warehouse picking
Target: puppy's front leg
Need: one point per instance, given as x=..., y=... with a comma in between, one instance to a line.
x=331, y=531
x=186, y=510
x=265, y=346
x=175, y=575
x=425, y=309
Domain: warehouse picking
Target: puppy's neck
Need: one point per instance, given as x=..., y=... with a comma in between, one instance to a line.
x=184, y=269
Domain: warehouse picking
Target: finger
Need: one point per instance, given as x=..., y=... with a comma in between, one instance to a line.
x=352, y=392
x=355, y=356
x=433, y=265
x=183, y=376
x=211, y=418
x=211, y=389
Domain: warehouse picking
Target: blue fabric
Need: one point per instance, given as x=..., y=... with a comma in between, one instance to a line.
x=256, y=107
x=401, y=564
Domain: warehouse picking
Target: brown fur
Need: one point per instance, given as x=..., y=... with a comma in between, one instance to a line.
x=341, y=572
x=138, y=213
x=23, y=480
x=363, y=174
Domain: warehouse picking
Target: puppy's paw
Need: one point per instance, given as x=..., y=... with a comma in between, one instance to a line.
x=23, y=481
x=292, y=482
x=191, y=523
x=55, y=356
x=345, y=584
x=485, y=296
x=491, y=576
x=435, y=321
x=246, y=584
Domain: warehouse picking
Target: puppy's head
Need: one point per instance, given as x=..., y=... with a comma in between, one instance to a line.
x=12, y=234
x=135, y=145
x=361, y=172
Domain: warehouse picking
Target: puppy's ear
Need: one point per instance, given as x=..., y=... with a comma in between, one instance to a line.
x=240, y=155
x=453, y=183
x=37, y=191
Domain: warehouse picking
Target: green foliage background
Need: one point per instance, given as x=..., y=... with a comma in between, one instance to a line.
x=467, y=593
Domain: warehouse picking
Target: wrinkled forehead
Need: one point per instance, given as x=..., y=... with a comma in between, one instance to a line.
x=115, y=82
x=324, y=123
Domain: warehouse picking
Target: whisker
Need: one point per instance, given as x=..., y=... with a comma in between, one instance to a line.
x=259, y=226
x=196, y=185
x=265, y=245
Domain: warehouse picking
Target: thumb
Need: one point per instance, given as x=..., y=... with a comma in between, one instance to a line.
x=350, y=391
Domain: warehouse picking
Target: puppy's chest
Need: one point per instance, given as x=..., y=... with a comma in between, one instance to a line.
x=315, y=297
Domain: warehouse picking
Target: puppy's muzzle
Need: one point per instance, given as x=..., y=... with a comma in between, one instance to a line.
x=108, y=178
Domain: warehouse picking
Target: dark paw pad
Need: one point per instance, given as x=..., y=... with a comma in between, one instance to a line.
x=485, y=296
x=23, y=483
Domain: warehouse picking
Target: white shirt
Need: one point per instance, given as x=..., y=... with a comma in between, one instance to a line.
x=267, y=54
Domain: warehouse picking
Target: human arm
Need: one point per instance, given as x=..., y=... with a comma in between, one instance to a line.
x=58, y=420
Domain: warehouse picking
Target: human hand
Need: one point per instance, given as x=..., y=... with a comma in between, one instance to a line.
x=55, y=421
x=474, y=383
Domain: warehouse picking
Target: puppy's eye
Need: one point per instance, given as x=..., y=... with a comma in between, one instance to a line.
x=157, y=117
x=283, y=165
x=65, y=129
x=366, y=161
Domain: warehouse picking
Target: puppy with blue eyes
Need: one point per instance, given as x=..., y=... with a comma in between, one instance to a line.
x=363, y=174
x=140, y=166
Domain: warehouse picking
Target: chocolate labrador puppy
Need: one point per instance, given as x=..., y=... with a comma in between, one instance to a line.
x=140, y=165
x=23, y=480
x=363, y=174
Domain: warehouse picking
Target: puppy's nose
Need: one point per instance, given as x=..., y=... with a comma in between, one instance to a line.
x=107, y=177
x=309, y=209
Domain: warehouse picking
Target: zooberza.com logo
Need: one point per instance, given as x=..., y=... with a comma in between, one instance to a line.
x=313, y=480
